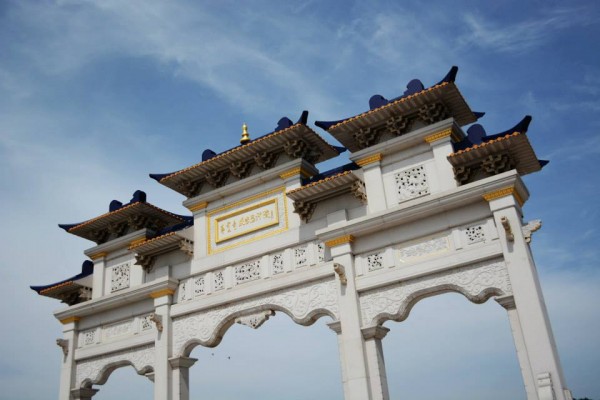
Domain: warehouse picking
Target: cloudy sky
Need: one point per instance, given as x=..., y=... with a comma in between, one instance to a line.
x=94, y=95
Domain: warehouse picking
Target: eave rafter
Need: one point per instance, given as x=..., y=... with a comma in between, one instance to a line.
x=147, y=251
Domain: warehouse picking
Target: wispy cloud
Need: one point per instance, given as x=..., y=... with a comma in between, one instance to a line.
x=520, y=36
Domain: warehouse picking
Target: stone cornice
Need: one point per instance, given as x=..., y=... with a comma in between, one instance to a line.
x=426, y=206
x=118, y=299
x=124, y=242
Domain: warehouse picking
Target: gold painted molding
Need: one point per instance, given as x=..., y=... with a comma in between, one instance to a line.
x=339, y=240
x=69, y=320
x=508, y=191
x=198, y=206
x=96, y=256
x=161, y=293
x=370, y=159
x=293, y=172
x=136, y=242
x=439, y=135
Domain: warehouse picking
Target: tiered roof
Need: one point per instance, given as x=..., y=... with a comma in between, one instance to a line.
x=125, y=218
x=480, y=155
x=72, y=290
x=395, y=116
x=296, y=140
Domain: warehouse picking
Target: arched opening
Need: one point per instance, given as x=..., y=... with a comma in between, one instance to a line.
x=279, y=360
x=125, y=382
x=448, y=348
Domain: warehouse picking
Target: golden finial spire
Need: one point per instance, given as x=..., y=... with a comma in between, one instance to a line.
x=245, y=137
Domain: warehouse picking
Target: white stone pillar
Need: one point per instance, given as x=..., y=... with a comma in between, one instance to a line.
x=508, y=302
x=162, y=344
x=200, y=238
x=98, y=276
x=529, y=300
x=350, y=340
x=373, y=178
x=68, y=345
x=376, y=362
x=180, y=377
x=441, y=145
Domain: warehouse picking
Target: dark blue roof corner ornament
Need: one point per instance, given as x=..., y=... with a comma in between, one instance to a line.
x=450, y=76
x=114, y=205
x=303, y=118
x=208, y=154
x=414, y=86
x=283, y=123
x=476, y=135
x=377, y=101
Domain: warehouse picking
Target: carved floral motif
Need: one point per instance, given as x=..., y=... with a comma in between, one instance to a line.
x=303, y=303
x=477, y=282
x=96, y=370
x=423, y=249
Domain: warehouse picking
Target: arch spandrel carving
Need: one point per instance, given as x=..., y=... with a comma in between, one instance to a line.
x=304, y=304
x=96, y=370
x=477, y=282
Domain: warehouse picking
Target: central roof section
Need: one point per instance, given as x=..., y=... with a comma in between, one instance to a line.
x=288, y=141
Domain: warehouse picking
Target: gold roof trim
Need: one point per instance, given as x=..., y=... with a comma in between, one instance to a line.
x=370, y=159
x=477, y=146
x=122, y=209
x=403, y=99
x=339, y=240
x=244, y=146
x=329, y=178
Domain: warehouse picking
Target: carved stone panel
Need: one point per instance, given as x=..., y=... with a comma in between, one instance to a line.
x=302, y=303
x=411, y=183
x=477, y=282
x=96, y=370
x=120, y=277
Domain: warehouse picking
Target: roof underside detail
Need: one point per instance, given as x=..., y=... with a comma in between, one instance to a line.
x=297, y=141
x=479, y=155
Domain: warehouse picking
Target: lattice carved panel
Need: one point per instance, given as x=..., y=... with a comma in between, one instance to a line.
x=411, y=183
x=477, y=282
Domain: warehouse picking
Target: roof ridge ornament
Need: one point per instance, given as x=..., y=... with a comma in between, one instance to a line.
x=245, y=136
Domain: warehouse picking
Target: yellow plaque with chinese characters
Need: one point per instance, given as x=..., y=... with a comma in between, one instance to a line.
x=247, y=220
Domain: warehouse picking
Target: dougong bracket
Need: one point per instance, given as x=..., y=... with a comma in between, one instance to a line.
x=64, y=345
x=341, y=271
x=157, y=319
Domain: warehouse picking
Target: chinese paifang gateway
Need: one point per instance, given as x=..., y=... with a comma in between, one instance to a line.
x=423, y=208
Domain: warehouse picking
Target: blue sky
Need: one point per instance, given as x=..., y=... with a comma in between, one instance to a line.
x=97, y=94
